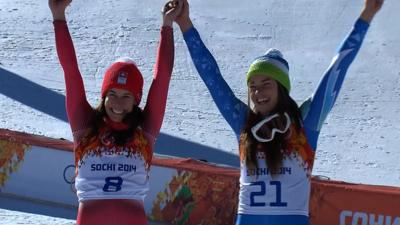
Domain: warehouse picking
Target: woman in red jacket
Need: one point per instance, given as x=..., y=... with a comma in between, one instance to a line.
x=113, y=143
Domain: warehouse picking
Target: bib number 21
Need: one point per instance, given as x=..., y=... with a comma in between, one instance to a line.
x=278, y=200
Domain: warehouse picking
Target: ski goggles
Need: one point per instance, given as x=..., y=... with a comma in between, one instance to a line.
x=265, y=130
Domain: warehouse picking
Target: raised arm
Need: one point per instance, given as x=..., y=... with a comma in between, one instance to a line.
x=232, y=109
x=78, y=109
x=316, y=109
x=158, y=93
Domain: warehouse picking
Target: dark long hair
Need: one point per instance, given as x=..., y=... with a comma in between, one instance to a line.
x=134, y=119
x=249, y=146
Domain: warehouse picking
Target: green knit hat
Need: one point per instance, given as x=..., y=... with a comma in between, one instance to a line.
x=273, y=65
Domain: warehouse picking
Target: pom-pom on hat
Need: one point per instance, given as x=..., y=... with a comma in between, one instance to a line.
x=271, y=64
x=123, y=74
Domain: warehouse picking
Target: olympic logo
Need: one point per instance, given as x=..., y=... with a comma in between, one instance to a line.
x=69, y=176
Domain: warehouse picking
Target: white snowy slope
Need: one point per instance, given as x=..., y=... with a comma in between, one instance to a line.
x=358, y=143
x=9, y=217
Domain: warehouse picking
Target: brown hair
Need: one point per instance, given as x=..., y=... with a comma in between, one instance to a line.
x=249, y=146
x=134, y=119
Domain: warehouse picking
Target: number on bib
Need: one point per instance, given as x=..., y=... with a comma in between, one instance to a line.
x=113, y=184
x=258, y=193
x=278, y=200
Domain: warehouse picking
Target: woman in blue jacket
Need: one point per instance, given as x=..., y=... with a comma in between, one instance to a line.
x=277, y=138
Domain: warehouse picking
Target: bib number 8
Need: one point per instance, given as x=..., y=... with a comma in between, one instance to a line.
x=278, y=201
x=113, y=184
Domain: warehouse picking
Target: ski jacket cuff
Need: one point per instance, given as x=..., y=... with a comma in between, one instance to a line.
x=361, y=24
x=190, y=33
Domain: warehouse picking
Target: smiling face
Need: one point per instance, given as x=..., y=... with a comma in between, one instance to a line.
x=263, y=93
x=118, y=103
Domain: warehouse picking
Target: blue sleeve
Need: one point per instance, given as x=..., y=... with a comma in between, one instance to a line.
x=232, y=109
x=316, y=109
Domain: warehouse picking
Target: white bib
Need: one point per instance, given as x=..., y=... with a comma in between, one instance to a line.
x=112, y=175
x=286, y=193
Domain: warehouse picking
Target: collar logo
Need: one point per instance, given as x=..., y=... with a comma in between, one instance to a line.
x=122, y=78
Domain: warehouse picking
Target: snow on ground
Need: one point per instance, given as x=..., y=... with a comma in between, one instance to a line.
x=9, y=217
x=358, y=143
x=359, y=140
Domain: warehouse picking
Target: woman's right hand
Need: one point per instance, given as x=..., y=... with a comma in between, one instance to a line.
x=58, y=7
x=183, y=19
